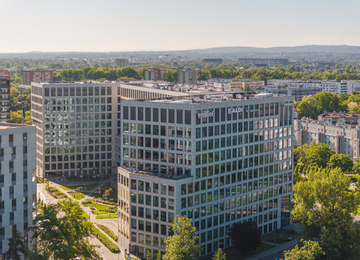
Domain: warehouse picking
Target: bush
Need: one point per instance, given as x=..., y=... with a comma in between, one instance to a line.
x=38, y=180
x=108, y=232
x=107, y=216
x=106, y=242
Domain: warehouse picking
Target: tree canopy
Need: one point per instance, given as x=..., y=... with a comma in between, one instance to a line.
x=313, y=154
x=16, y=246
x=343, y=161
x=324, y=208
x=182, y=244
x=308, y=251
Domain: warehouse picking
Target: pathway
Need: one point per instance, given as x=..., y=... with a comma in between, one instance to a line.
x=273, y=251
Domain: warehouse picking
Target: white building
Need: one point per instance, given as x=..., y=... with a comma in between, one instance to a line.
x=329, y=85
x=217, y=159
x=352, y=86
x=17, y=181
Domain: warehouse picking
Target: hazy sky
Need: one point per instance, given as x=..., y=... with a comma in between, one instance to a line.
x=131, y=25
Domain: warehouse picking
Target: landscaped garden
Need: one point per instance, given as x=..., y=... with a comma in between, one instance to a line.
x=53, y=191
x=102, y=210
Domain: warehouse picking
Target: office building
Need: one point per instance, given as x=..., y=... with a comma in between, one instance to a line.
x=17, y=181
x=261, y=61
x=77, y=123
x=121, y=63
x=5, y=100
x=216, y=158
x=217, y=61
x=154, y=74
x=37, y=75
x=188, y=76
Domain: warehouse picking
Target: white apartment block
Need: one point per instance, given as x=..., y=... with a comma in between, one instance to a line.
x=217, y=159
x=343, y=138
x=17, y=181
x=330, y=86
x=352, y=86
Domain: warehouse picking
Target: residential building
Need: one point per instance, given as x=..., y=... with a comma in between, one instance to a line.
x=218, y=159
x=17, y=181
x=121, y=63
x=340, y=117
x=212, y=60
x=328, y=85
x=343, y=138
x=188, y=76
x=352, y=86
x=4, y=74
x=37, y=75
x=298, y=93
x=154, y=74
x=5, y=99
x=241, y=85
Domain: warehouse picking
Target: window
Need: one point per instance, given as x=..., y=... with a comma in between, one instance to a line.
x=24, y=136
x=24, y=149
x=11, y=138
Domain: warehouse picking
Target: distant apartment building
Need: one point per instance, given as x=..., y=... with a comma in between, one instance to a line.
x=217, y=61
x=4, y=100
x=188, y=76
x=352, y=85
x=17, y=182
x=327, y=85
x=121, y=63
x=323, y=64
x=4, y=74
x=37, y=75
x=251, y=84
x=342, y=137
x=154, y=74
x=260, y=61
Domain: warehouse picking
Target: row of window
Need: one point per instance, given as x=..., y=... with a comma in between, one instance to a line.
x=171, y=131
x=77, y=149
x=72, y=125
x=78, y=165
x=72, y=91
x=77, y=141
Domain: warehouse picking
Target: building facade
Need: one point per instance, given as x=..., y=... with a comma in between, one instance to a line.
x=37, y=75
x=121, y=63
x=4, y=74
x=154, y=74
x=188, y=76
x=217, y=159
x=5, y=100
x=17, y=181
x=261, y=61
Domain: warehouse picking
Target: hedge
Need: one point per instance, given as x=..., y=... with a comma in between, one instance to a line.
x=108, y=232
x=105, y=240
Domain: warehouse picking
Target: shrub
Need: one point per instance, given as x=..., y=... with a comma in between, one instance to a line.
x=106, y=241
x=108, y=232
x=107, y=216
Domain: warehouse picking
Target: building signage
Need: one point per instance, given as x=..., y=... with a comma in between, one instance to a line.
x=207, y=113
x=235, y=110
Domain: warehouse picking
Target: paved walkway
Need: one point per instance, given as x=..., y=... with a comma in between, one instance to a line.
x=273, y=250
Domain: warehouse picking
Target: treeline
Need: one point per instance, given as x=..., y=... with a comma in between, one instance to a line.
x=313, y=106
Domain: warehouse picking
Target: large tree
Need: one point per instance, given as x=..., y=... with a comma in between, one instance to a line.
x=61, y=232
x=344, y=162
x=16, y=246
x=245, y=236
x=314, y=154
x=308, y=251
x=182, y=244
x=324, y=208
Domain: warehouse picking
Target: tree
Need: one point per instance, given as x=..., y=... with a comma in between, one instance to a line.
x=324, y=207
x=62, y=237
x=182, y=244
x=219, y=255
x=315, y=154
x=16, y=246
x=344, y=162
x=148, y=255
x=246, y=236
x=309, y=251
x=158, y=255
x=356, y=167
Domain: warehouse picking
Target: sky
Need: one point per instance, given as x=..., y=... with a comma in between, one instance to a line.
x=141, y=25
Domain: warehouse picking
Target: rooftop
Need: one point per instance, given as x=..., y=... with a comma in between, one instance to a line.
x=4, y=125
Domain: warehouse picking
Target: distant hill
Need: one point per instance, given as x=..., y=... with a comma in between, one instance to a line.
x=195, y=53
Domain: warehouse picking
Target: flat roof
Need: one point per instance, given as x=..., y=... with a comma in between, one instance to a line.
x=4, y=125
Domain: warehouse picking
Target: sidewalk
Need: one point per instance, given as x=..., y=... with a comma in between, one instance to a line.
x=273, y=250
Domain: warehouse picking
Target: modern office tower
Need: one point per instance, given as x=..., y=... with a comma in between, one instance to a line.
x=37, y=75
x=188, y=76
x=121, y=63
x=218, y=159
x=154, y=73
x=75, y=128
x=5, y=99
x=17, y=181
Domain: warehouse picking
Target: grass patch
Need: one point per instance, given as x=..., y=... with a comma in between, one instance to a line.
x=107, y=216
x=104, y=212
x=233, y=254
x=281, y=236
x=38, y=180
x=72, y=179
x=105, y=240
x=108, y=232
x=65, y=188
x=85, y=215
x=101, y=207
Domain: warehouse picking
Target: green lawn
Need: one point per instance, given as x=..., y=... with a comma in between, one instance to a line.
x=65, y=188
x=72, y=187
x=101, y=207
x=85, y=215
x=233, y=254
x=281, y=236
x=77, y=195
x=107, y=216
